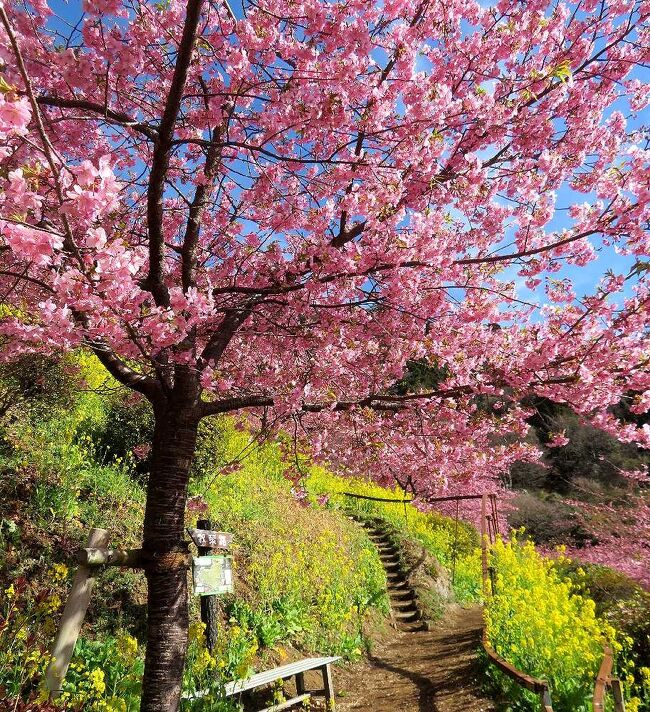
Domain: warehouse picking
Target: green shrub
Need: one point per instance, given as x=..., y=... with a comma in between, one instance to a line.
x=124, y=433
x=548, y=520
x=625, y=605
x=103, y=676
x=32, y=386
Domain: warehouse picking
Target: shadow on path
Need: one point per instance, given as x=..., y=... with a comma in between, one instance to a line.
x=426, y=671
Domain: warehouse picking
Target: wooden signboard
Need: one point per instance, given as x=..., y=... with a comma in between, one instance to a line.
x=212, y=575
x=210, y=539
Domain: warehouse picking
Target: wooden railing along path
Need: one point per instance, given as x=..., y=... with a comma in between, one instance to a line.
x=605, y=681
x=489, y=533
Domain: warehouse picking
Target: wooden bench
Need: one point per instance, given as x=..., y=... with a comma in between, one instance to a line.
x=285, y=672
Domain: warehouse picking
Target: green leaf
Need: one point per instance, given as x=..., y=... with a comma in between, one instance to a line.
x=562, y=71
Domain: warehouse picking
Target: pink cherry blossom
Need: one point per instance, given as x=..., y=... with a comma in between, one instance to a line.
x=276, y=215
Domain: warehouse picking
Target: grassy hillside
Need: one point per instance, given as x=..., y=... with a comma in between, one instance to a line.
x=301, y=576
x=454, y=545
x=307, y=578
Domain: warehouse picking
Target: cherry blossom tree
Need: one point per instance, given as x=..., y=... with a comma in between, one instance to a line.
x=273, y=211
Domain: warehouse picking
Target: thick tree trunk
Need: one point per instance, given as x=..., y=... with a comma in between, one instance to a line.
x=166, y=557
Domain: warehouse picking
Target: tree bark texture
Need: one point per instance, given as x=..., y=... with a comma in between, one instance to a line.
x=166, y=557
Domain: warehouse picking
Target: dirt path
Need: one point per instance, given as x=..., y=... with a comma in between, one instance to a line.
x=420, y=671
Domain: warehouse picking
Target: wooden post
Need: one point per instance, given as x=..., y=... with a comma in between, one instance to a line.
x=484, y=545
x=545, y=699
x=328, y=688
x=209, y=604
x=617, y=692
x=495, y=514
x=300, y=683
x=72, y=618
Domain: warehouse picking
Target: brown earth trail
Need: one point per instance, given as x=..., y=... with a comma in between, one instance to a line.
x=420, y=671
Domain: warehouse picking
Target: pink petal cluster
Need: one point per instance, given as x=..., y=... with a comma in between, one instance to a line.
x=326, y=193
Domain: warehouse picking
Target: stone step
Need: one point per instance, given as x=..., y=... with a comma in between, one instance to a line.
x=400, y=591
x=415, y=627
x=401, y=594
x=407, y=604
x=406, y=613
x=407, y=616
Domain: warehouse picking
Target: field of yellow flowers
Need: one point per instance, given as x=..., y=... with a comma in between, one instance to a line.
x=546, y=625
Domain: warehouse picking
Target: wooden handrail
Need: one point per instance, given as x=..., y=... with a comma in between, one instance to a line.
x=539, y=687
x=605, y=680
x=601, y=680
x=489, y=533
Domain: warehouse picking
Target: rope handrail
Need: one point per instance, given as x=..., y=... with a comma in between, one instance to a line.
x=427, y=500
x=374, y=499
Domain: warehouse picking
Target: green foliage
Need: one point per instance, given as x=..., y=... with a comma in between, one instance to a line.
x=420, y=376
x=105, y=675
x=53, y=489
x=307, y=576
x=540, y=623
x=126, y=425
x=205, y=673
x=547, y=519
x=102, y=677
x=31, y=385
x=24, y=611
x=70, y=480
x=447, y=541
x=591, y=456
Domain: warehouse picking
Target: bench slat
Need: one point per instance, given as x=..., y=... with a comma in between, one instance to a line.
x=268, y=676
x=289, y=703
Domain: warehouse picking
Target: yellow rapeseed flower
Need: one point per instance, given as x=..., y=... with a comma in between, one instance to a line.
x=59, y=572
x=127, y=646
x=96, y=680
